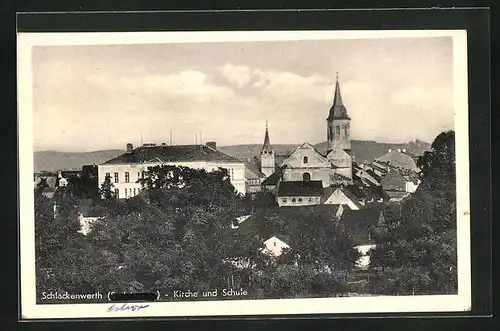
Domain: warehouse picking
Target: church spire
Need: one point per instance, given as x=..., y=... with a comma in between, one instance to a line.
x=267, y=143
x=338, y=110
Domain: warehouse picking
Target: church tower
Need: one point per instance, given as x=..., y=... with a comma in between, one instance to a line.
x=267, y=161
x=338, y=124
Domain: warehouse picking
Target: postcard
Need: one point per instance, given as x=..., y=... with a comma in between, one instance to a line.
x=176, y=174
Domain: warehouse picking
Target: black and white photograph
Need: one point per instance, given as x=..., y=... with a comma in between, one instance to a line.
x=243, y=173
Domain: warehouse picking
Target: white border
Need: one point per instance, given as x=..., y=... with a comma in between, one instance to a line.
x=379, y=304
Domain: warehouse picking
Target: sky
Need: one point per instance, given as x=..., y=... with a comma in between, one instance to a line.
x=95, y=97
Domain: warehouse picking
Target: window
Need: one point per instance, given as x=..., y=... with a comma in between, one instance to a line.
x=284, y=200
x=126, y=195
x=310, y=199
x=232, y=173
x=117, y=193
x=274, y=244
x=138, y=175
x=346, y=130
x=330, y=132
x=107, y=175
x=135, y=192
x=116, y=177
x=305, y=159
x=127, y=177
x=306, y=177
x=293, y=199
x=337, y=130
x=300, y=199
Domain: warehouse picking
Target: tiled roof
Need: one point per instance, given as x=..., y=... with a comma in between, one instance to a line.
x=279, y=158
x=338, y=110
x=179, y=153
x=397, y=194
x=274, y=178
x=252, y=170
x=398, y=159
x=327, y=192
x=348, y=192
x=359, y=222
x=300, y=188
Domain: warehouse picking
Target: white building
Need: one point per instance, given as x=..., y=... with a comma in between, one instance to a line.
x=274, y=246
x=126, y=169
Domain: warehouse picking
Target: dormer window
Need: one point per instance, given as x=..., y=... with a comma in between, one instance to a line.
x=305, y=159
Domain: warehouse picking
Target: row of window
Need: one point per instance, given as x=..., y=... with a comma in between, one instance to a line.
x=254, y=181
x=128, y=192
x=299, y=200
x=116, y=176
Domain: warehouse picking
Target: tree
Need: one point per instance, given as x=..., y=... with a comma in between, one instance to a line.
x=416, y=253
x=106, y=190
x=41, y=186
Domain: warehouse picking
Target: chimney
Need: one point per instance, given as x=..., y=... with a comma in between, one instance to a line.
x=130, y=147
x=212, y=144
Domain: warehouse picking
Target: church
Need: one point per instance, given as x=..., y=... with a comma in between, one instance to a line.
x=306, y=166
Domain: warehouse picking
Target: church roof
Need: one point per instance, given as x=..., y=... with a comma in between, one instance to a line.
x=267, y=142
x=179, y=153
x=301, y=188
x=252, y=170
x=274, y=178
x=338, y=110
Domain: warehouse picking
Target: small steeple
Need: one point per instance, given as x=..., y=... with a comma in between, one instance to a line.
x=267, y=143
x=338, y=110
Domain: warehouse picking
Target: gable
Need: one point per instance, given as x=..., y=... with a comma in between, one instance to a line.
x=339, y=158
x=314, y=158
x=339, y=197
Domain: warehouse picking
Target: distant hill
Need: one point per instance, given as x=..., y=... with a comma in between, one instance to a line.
x=53, y=161
x=362, y=151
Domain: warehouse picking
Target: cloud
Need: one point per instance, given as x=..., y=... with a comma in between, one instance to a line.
x=236, y=74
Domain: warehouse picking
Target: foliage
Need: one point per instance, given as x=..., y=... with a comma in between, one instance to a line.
x=416, y=250
x=176, y=234
x=106, y=190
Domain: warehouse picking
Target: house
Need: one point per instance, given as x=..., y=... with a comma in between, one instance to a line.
x=253, y=176
x=341, y=196
x=299, y=193
x=379, y=168
x=400, y=180
x=271, y=183
x=275, y=245
x=367, y=177
x=397, y=196
x=126, y=169
x=361, y=223
x=398, y=158
x=238, y=220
